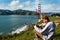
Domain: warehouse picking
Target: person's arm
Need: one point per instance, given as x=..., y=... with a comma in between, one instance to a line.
x=46, y=26
x=37, y=29
x=39, y=34
x=42, y=30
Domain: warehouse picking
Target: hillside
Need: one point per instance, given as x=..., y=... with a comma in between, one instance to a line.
x=16, y=12
x=29, y=34
x=24, y=12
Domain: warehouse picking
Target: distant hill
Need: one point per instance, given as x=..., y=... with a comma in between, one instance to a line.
x=5, y=12
x=22, y=12
x=17, y=12
x=56, y=14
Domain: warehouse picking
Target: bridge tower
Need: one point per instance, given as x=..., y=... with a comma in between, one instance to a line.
x=39, y=12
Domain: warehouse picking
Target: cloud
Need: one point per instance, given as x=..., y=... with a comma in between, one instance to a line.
x=36, y=3
x=2, y=6
x=14, y=3
x=20, y=6
x=47, y=8
x=56, y=8
x=28, y=5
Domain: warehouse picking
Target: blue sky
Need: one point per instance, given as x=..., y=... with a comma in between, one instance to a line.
x=46, y=5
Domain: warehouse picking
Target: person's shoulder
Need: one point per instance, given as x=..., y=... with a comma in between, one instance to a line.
x=51, y=22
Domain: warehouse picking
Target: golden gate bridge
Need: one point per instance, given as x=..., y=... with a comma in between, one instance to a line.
x=38, y=11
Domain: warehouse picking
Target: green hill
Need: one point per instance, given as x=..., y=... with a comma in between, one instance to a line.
x=17, y=12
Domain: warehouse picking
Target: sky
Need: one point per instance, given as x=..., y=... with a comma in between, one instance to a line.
x=46, y=5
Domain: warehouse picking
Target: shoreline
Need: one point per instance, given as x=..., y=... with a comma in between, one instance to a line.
x=19, y=30
x=24, y=28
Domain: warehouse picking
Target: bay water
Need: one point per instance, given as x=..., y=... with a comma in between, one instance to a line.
x=9, y=23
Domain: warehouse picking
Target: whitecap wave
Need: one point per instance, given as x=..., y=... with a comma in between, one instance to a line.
x=20, y=29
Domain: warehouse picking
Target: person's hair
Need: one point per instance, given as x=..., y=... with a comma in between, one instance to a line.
x=45, y=17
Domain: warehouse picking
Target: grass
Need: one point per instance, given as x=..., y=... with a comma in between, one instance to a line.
x=29, y=34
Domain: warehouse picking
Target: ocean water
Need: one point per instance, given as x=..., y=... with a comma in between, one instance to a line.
x=13, y=22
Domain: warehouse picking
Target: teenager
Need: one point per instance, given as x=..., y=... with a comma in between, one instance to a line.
x=47, y=31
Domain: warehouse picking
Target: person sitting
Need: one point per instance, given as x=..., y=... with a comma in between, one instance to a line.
x=47, y=31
